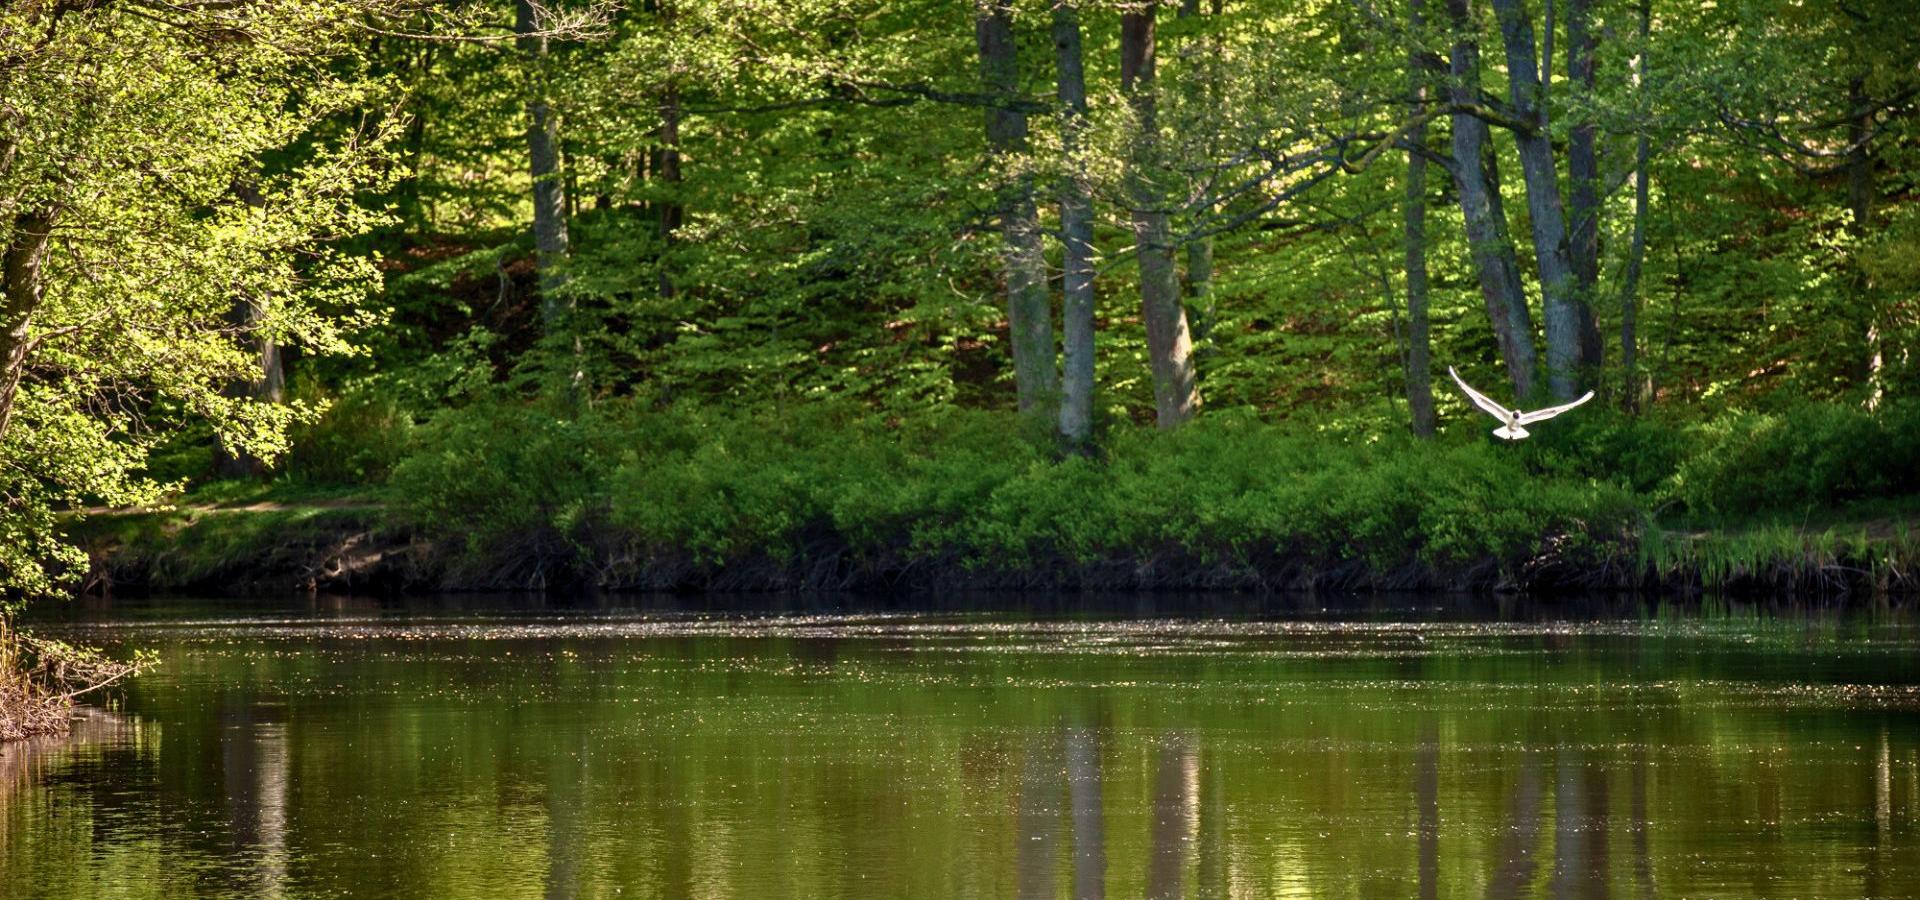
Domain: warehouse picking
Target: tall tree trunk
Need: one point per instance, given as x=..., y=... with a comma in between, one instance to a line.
x=543, y=156
x=1476, y=179
x=1076, y=228
x=22, y=279
x=666, y=169
x=1860, y=192
x=268, y=381
x=1566, y=313
x=1419, y=366
x=1023, y=261
x=267, y=385
x=407, y=200
x=1198, y=284
x=1637, y=252
x=1176, y=392
x=1583, y=176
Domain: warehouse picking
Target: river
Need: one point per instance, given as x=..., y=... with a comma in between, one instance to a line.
x=989, y=747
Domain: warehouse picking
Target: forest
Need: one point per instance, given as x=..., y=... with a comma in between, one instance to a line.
x=894, y=293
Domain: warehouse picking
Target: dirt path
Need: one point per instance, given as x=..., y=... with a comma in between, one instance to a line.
x=256, y=506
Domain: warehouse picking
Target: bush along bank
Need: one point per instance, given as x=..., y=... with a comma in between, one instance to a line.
x=619, y=497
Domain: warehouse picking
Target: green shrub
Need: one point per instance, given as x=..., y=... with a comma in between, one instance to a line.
x=993, y=491
x=357, y=441
x=1810, y=457
x=530, y=476
x=1641, y=453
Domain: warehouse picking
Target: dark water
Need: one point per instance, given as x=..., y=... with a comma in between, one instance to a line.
x=1256, y=750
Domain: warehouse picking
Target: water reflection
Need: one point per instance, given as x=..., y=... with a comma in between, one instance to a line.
x=1089, y=825
x=1426, y=798
x=1039, y=834
x=1176, y=817
x=569, y=792
x=1519, y=834
x=253, y=767
x=901, y=756
x=1641, y=828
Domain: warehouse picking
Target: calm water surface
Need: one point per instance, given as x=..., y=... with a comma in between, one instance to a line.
x=1252, y=749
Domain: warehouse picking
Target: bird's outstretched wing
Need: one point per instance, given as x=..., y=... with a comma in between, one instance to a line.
x=1499, y=412
x=1540, y=415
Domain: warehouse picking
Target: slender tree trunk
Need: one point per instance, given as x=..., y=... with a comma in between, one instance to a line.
x=1076, y=227
x=268, y=385
x=1860, y=193
x=666, y=169
x=1565, y=311
x=1176, y=392
x=1476, y=179
x=21, y=277
x=543, y=155
x=1023, y=261
x=1583, y=176
x=1198, y=284
x=407, y=200
x=1419, y=373
x=666, y=166
x=1637, y=252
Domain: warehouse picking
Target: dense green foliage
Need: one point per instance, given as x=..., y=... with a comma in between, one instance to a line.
x=970, y=486
x=174, y=180
x=746, y=306
x=527, y=487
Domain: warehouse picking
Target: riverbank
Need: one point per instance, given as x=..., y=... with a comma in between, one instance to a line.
x=293, y=548
x=623, y=497
x=273, y=547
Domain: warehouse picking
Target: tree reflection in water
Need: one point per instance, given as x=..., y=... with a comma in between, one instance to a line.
x=1089, y=827
x=985, y=764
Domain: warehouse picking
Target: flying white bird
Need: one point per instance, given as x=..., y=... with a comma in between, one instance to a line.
x=1511, y=420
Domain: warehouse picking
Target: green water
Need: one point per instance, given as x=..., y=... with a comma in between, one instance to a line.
x=1259, y=750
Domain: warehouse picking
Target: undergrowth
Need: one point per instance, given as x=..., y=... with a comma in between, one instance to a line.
x=628, y=493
